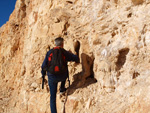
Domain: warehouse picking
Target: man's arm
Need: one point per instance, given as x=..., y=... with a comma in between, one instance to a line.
x=43, y=71
x=74, y=57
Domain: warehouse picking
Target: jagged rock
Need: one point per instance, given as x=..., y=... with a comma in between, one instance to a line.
x=114, y=41
x=34, y=85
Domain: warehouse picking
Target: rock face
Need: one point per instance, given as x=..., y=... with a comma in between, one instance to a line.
x=113, y=75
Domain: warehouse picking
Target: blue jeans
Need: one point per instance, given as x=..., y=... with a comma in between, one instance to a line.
x=53, y=90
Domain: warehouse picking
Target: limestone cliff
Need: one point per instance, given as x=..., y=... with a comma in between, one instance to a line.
x=113, y=76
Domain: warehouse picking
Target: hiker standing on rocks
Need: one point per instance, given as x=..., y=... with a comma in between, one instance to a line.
x=55, y=64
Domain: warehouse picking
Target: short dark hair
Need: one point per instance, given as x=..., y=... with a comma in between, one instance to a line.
x=59, y=41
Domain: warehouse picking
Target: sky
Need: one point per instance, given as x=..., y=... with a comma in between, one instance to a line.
x=6, y=8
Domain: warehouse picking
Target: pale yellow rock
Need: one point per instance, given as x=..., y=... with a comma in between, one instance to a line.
x=113, y=73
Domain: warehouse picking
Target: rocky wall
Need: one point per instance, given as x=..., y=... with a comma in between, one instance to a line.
x=113, y=73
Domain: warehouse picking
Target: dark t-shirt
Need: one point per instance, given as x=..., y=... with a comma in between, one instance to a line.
x=69, y=57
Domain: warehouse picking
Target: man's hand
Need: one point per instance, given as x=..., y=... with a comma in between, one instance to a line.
x=76, y=47
x=70, y=51
x=43, y=80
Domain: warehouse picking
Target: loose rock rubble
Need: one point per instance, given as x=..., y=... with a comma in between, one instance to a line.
x=113, y=76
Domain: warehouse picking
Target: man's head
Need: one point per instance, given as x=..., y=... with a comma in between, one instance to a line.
x=59, y=41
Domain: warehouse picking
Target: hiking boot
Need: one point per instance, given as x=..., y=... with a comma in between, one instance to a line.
x=63, y=90
x=62, y=94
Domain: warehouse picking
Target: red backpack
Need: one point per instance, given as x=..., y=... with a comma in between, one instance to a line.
x=57, y=63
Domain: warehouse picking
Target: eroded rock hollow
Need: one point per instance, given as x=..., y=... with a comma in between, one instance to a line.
x=113, y=75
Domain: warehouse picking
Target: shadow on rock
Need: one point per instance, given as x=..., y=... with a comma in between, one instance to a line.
x=86, y=76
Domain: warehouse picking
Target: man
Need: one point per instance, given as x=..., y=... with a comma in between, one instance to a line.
x=53, y=79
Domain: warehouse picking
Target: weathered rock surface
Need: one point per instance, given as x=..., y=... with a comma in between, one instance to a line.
x=113, y=76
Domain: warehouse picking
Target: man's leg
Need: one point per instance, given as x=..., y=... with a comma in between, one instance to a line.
x=53, y=91
x=62, y=86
